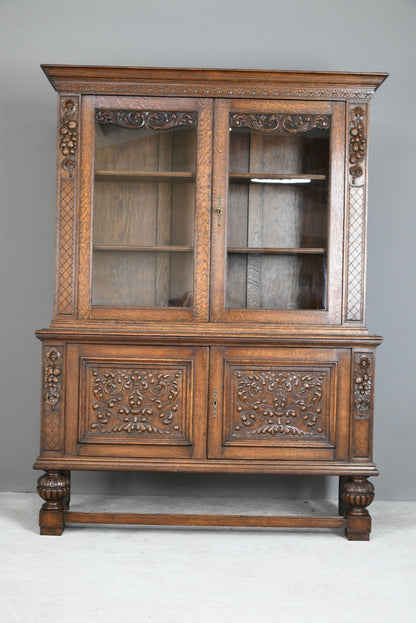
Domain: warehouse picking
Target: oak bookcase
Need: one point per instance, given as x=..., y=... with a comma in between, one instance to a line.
x=210, y=284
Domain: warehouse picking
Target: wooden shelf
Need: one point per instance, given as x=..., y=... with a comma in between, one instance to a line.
x=277, y=250
x=244, y=178
x=131, y=247
x=144, y=176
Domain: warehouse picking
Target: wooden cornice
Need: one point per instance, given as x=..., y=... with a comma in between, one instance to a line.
x=231, y=83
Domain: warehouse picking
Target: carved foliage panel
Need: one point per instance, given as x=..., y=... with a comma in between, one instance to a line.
x=136, y=402
x=52, y=398
x=279, y=404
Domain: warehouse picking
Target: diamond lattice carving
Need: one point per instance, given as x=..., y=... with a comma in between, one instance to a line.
x=355, y=253
x=66, y=247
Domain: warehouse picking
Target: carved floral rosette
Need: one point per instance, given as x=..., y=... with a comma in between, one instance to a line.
x=279, y=403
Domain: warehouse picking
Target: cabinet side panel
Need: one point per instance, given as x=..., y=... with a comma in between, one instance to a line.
x=67, y=195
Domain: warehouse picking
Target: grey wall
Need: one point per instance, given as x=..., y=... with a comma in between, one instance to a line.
x=358, y=35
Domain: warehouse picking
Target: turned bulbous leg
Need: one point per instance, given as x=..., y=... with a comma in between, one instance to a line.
x=54, y=488
x=357, y=494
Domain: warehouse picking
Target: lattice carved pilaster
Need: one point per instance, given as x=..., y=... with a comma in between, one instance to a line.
x=356, y=214
x=67, y=185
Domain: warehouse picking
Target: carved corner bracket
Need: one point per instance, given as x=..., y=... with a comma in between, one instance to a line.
x=69, y=135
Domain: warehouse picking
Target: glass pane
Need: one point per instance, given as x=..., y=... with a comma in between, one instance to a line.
x=277, y=213
x=143, y=212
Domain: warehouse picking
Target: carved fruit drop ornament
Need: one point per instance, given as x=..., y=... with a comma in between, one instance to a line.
x=69, y=136
x=357, y=143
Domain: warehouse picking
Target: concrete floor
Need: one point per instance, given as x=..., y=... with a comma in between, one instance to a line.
x=170, y=575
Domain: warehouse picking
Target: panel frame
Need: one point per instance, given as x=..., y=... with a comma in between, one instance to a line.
x=336, y=447
x=199, y=311
x=218, y=310
x=77, y=442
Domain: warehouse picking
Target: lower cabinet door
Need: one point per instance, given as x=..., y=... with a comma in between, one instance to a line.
x=279, y=403
x=136, y=401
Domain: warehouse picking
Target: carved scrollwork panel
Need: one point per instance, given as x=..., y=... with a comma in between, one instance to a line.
x=154, y=120
x=141, y=403
x=275, y=122
x=279, y=403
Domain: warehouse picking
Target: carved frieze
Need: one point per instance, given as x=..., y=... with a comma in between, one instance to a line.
x=154, y=120
x=69, y=135
x=136, y=401
x=279, y=403
x=279, y=122
x=216, y=90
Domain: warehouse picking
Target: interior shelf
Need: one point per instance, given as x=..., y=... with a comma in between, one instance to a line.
x=244, y=178
x=278, y=250
x=144, y=176
x=131, y=247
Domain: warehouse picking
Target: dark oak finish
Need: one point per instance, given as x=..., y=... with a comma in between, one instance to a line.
x=210, y=285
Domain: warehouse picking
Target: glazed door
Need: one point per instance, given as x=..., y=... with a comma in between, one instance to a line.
x=277, y=211
x=279, y=403
x=145, y=208
x=136, y=401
